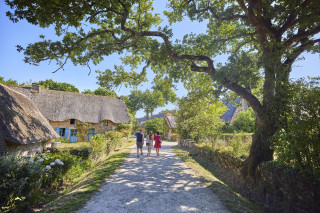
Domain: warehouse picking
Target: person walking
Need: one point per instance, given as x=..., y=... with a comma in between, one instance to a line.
x=157, y=144
x=139, y=142
x=149, y=142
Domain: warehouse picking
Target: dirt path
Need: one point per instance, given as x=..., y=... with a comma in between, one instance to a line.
x=154, y=184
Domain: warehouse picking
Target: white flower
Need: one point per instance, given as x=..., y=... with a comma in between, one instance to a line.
x=38, y=150
x=48, y=167
x=31, y=160
x=58, y=161
x=48, y=151
x=52, y=164
x=50, y=157
x=40, y=160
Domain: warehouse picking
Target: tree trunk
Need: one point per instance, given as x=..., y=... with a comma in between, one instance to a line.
x=260, y=150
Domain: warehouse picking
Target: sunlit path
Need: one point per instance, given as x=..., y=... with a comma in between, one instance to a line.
x=154, y=184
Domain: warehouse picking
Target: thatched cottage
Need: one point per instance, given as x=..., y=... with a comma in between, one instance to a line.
x=23, y=129
x=64, y=109
x=170, y=125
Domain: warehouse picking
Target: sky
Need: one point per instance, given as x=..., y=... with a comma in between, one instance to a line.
x=23, y=33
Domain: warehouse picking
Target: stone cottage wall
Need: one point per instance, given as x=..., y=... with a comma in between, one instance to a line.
x=23, y=149
x=98, y=127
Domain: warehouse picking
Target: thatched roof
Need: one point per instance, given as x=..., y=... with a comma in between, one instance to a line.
x=61, y=106
x=20, y=120
x=171, y=121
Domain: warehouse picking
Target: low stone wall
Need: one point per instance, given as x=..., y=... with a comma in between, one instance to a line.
x=278, y=188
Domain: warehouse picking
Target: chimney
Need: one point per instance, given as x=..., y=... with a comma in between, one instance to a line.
x=35, y=87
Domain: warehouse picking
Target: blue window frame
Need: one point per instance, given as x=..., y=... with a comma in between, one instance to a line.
x=105, y=123
x=63, y=132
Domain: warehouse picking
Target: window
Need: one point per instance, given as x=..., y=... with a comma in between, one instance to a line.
x=73, y=132
x=72, y=121
x=105, y=123
x=62, y=132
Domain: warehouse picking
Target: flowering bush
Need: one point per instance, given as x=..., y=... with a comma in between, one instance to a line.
x=24, y=179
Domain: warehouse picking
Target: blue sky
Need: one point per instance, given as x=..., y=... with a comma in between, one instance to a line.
x=23, y=33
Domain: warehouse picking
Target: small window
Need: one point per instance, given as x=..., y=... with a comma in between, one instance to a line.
x=105, y=123
x=72, y=121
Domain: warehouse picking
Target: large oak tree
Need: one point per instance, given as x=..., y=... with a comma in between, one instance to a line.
x=262, y=37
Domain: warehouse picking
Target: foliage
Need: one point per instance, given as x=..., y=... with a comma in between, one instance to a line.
x=125, y=129
x=83, y=130
x=199, y=118
x=24, y=180
x=174, y=136
x=98, y=145
x=228, y=128
x=101, y=91
x=154, y=125
x=114, y=136
x=53, y=85
x=245, y=122
x=147, y=100
x=84, y=153
x=297, y=143
x=8, y=82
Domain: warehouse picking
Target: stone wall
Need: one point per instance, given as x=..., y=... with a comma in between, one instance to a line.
x=278, y=188
x=23, y=149
x=98, y=127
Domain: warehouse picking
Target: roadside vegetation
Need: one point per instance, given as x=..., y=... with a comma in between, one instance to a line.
x=30, y=182
x=234, y=201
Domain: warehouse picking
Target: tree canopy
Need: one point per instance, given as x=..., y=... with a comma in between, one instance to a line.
x=263, y=38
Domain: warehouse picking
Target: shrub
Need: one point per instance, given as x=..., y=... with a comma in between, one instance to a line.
x=20, y=180
x=98, y=145
x=174, y=136
x=297, y=143
x=114, y=136
x=126, y=129
x=83, y=152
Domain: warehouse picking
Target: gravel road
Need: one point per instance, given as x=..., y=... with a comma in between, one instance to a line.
x=154, y=184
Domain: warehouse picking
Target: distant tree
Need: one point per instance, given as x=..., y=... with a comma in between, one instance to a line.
x=53, y=85
x=147, y=100
x=152, y=100
x=88, y=91
x=199, y=118
x=104, y=92
x=154, y=125
x=245, y=122
x=8, y=82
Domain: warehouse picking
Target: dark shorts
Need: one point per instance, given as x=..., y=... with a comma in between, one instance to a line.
x=139, y=145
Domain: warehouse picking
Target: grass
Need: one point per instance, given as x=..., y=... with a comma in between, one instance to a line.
x=230, y=198
x=75, y=196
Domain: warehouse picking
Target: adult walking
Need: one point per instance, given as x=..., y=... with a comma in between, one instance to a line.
x=149, y=142
x=157, y=142
x=139, y=142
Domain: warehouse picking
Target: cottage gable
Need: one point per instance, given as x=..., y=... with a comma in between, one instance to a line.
x=21, y=122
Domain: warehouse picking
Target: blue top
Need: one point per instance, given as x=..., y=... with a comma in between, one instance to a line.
x=139, y=136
